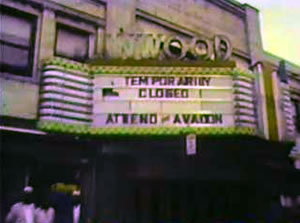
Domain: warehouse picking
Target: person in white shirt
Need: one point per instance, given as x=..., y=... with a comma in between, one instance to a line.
x=23, y=211
x=76, y=206
x=43, y=213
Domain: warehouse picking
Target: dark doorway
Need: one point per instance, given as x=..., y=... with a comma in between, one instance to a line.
x=196, y=201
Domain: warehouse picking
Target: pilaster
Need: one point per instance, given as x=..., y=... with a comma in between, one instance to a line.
x=252, y=22
x=272, y=124
x=47, y=36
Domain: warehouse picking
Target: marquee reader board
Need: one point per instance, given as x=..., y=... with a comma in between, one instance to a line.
x=188, y=99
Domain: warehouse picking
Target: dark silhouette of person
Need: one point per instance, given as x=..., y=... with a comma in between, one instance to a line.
x=63, y=206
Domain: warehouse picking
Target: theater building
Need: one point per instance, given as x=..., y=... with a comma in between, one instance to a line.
x=159, y=110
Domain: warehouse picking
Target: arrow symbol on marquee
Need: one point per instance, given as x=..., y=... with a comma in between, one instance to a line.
x=165, y=118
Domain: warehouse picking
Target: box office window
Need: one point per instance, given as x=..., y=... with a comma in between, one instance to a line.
x=17, y=36
x=72, y=43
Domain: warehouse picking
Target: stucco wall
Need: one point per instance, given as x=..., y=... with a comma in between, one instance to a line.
x=18, y=99
x=199, y=16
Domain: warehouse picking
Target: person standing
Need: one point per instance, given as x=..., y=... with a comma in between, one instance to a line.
x=44, y=213
x=76, y=207
x=63, y=206
x=23, y=211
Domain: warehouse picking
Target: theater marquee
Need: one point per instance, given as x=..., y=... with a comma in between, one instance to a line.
x=148, y=100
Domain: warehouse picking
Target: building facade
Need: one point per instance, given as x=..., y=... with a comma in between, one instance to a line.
x=155, y=108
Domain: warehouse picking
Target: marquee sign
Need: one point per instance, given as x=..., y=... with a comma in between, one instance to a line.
x=147, y=100
x=161, y=46
x=163, y=100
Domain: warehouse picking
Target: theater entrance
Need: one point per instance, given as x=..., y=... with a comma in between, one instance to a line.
x=191, y=201
x=138, y=181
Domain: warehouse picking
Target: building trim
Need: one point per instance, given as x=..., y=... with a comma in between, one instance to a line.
x=50, y=114
x=50, y=99
x=21, y=130
x=270, y=101
x=65, y=109
x=59, y=127
x=231, y=6
x=66, y=86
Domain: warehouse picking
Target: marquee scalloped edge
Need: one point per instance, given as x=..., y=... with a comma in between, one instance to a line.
x=56, y=127
x=69, y=65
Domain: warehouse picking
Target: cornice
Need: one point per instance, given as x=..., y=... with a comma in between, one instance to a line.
x=231, y=6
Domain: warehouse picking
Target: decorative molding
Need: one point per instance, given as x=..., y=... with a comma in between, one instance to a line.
x=59, y=127
x=60, y=100
x=244, y=101
x=21, y=130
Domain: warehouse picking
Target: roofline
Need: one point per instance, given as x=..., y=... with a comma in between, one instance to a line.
x=246, y=5
x=241, y=5
x=275, y=59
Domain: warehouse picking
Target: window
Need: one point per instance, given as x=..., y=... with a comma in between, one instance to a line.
x=72, y=43
x=17, y=36
x=297, y=114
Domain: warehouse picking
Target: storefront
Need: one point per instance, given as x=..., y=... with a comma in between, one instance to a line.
x=168, y=142
x=144, y=179
x=170, y=112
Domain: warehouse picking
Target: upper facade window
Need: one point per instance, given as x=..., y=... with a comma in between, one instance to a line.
x=297, y=114
x=17, y=37
x=72, y=43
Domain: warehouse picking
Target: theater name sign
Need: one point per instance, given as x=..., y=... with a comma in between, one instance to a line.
x=147, y=100
x=162, y=47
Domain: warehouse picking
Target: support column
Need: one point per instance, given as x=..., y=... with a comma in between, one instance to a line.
x=261, y=106
x=270, y=101
x=47, y=36
x=100, y=43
